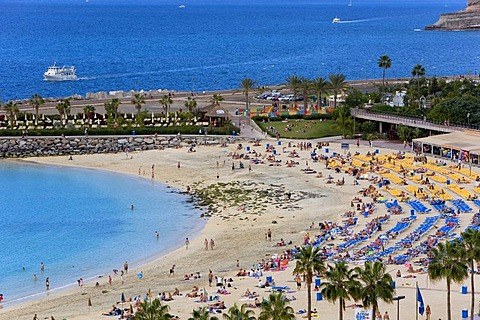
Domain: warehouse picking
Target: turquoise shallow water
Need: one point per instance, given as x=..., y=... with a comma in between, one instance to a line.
x=80, y=224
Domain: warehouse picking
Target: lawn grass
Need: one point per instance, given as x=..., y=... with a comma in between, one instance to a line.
x=302, y=129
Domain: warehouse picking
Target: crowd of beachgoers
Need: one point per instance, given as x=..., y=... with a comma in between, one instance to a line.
x=392, y=206
x=343, y=240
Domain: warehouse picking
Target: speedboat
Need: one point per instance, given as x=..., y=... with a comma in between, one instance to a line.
x=336, y=20
x=182, y=6
x=55, y=73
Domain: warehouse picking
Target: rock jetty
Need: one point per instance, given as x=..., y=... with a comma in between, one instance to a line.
x=58, y=146
x=468, y=19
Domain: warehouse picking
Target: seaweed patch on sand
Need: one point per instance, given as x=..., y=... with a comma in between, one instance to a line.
x=248, y=197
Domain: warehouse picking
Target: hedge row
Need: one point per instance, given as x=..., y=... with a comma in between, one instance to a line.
x=225, y=130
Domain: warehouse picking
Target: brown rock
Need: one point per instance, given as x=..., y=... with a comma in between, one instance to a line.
x=468, y=19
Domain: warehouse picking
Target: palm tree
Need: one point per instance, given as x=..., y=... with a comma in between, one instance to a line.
x=137, y=100
x=342, y=285
x=343, y=119
x=190, y=104
x=247, y=84
x=216, y=98
x=63, y=108
x=112, y=108
x=201, y=314
x=376, y=285
x=294, y=82
x=152, y=311
x=309, y=263
x=11, y=109
x=236, y=313
x=306, y=86
x=276, y=308
x=320, y=85
x=384, y=62
x=36, y=101
x=448, y=264
x=337, y=84
x=418, y=71
x=166, y=101
x=470, y=247
x=88, y=109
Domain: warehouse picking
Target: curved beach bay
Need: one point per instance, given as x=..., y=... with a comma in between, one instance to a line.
x=238, y=230
x=80, y=224
x=238, y=235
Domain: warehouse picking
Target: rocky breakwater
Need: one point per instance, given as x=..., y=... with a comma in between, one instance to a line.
x=58, y=146
x=468, y=19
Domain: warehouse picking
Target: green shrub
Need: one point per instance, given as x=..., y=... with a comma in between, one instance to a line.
x=225, y=130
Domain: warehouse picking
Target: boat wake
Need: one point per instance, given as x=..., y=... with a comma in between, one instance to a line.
x=358, y=21
x=269, y=62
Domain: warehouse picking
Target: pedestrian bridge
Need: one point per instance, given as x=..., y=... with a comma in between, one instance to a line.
x=407, y=121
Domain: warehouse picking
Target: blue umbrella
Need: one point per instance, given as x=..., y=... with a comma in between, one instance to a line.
x=123, y=298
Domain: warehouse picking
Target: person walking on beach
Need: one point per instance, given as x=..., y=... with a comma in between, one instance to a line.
x=210, y=278
x=269, y=235
x=206, y=244
x=298, y=280
x=153, y=171
x=47, y=283
x=172, y=271
x=125, y=267
x=35, y=317
x=110, y=279
x=187, y=242
x=122, y=279
x=212, y=244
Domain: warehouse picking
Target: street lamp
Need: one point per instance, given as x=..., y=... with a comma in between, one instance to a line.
x=398, y=298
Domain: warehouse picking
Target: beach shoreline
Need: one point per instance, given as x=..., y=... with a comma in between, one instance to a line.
x=238, y=232
x=93, y=276
x=211, y=223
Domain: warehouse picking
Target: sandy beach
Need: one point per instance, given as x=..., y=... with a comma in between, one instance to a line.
x=247, y=204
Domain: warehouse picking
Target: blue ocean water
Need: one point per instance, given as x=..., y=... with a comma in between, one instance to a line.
x=79, y=223
x=213, y=45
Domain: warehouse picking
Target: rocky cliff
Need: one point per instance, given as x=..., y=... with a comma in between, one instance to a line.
x=468, y=19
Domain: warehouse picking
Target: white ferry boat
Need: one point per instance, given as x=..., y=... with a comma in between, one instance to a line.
x=336, y=20
x=55, y=73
